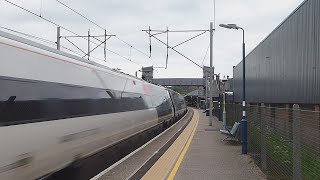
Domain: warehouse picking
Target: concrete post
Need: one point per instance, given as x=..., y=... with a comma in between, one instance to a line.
x=273, y=118
x=317, y=114
x=287, y=121
x=269, y=119
x=290, y=124
x=263, y=124
x=297, y=170
x=272, y=121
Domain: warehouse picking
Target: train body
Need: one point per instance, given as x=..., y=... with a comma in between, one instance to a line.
x=56, y=108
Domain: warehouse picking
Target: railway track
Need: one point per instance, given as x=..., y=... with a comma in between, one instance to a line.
x=128, y=159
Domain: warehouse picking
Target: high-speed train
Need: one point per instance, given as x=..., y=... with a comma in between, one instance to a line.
x=56, y=108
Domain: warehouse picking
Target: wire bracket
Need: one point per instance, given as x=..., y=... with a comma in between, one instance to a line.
x=87, y=54
x=167, y=31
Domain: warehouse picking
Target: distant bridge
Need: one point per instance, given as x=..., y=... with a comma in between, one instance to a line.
x=179, y=81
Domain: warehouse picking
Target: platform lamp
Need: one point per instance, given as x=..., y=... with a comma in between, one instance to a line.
x=244, y=129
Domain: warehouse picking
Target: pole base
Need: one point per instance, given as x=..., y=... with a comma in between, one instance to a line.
x=244, y=140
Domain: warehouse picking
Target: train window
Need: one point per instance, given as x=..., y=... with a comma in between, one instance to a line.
x=132, y=101
x=43, y=101
x=161, y=101
x=148, y=101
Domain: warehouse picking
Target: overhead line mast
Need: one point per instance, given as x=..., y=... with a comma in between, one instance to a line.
x=211, y=30
x=99, y=26
x=158, y=32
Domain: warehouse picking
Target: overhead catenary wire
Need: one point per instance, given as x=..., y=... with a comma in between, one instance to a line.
x=173, y=47
x=50, y=42
x=158, y=32
x=29, y=35
x=83, y=16
x=190, y=39
x=41, y=17
x=86, y=54
x=176, y=51
x=75, y=45
x=205, y=55
x=56, y=24
x=80, y=14
x=179, y=31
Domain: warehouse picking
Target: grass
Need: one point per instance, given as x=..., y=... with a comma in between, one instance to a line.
x=280, y=154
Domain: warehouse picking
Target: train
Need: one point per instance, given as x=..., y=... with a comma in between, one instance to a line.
x=57, y=108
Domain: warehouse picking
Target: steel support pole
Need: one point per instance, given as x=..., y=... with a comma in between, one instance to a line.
x=58, y=38
x=224, y=113
x=206, y=86
x=167, y=48
x=105, y=44
x=88, y=44
x=211, y=76
x=244, y=130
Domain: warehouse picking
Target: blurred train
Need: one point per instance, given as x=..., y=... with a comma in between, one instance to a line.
x=56, y=108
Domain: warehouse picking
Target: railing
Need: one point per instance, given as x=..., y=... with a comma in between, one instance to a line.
x=284, y=142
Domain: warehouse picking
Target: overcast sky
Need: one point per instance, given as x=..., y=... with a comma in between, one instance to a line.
x=127, y=18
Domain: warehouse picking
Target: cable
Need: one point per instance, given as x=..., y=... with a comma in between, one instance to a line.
x=28, y=35
x=35, y=37
x=205, y=55
x=173, y=48
x=80, y=14
x=64, y=28
x=90, y=56
x=41, y=17
x=177, y=51
x=75, y=45
x=189, y=39
x=79, y=54
x=109, y=51
x=101, y=27
x=50, y=42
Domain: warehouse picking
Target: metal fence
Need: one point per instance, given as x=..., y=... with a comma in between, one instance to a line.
x=283, y=141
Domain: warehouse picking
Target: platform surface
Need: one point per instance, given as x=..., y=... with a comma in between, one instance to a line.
x=208, y=157
x=200, y=153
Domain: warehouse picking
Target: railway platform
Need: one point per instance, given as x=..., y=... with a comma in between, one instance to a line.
x=200, y=153
x=197, y=152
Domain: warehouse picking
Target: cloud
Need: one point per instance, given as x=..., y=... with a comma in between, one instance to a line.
x=126, y=19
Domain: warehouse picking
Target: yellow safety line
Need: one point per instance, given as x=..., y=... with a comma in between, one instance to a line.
x=178, y=163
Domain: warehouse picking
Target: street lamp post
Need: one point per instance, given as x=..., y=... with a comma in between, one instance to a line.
x=211, y=76
x=244, y=130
